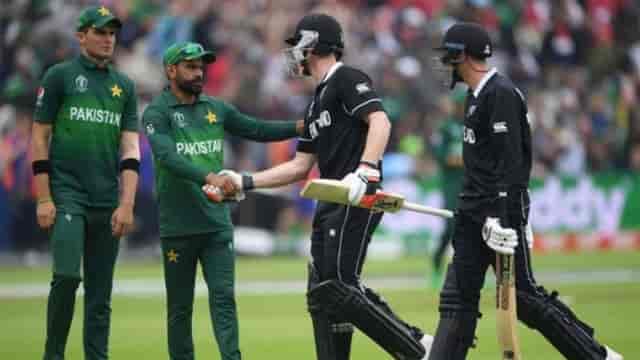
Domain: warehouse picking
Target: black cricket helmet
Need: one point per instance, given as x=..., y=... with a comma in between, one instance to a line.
x=461, y=39
x=318, y=34
x=468, y=38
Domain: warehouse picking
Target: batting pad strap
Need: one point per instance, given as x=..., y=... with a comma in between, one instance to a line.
x=41, y=167
x=349, y=304
x=130, y=164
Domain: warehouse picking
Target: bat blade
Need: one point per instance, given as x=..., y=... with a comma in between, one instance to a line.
x=326, y=190
x=336, y=191
x=506, y=319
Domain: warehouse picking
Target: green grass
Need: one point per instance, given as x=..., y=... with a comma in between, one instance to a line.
x=277, y=327
x=293, y=268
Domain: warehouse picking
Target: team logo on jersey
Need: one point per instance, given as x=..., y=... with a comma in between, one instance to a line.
x=68, y=217
x=211, y=117
x=116, y=91
x=500, y=127
x=178, y=119
x=468, y=135
x=82, y=83
x=150, y=129
x=472, y=109
x=487, y=49
x=40, y=96
x=362, y=88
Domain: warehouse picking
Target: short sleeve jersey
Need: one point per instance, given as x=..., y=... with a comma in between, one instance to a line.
x=497, y=141
x=187, y=141
x=88, y=108
x=335, y=127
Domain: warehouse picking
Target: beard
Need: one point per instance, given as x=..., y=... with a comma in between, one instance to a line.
x=193, y=87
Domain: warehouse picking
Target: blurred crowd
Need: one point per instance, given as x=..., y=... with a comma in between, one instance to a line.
x=577, y=61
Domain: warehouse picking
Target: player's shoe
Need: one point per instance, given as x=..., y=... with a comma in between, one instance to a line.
x=612, y=355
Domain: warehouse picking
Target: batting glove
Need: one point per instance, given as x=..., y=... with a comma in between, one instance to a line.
x=364, y=181
x=501, y=240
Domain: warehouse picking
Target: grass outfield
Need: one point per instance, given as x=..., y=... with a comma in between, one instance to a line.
x=294, y=268
x=277, y=326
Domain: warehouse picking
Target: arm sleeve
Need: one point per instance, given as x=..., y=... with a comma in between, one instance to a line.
x=239, y=124
x=50, y=95
x=506, y=143
x=163, y=146
x=130, y=114
x=357, y=94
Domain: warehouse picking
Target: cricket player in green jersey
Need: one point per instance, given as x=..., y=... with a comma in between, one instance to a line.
x=86, y=159
x=186, y=131
x=447, y=149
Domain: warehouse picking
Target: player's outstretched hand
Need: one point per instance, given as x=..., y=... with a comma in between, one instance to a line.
x=46, y=213
x=364, y=180
x=502, y=240
x=122, y=220
x=223, y=182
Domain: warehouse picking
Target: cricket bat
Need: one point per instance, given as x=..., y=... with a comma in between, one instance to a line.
x=337, y=192
x=506, y=318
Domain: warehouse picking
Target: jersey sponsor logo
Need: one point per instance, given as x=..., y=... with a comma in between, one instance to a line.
x=199, y=147
x=40, y=96
x=500, y=127
x=94, y=115
x=82, y=83
x=362, y=88
x=324, y=120
x=178, y=119
x=468, y=135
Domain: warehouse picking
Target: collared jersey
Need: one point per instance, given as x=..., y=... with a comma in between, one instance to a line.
x=187, y=143
x=88, y=108
x=335, y=130
x=497, y=141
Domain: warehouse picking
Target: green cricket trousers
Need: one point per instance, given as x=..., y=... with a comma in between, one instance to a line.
x=84, y=240
x=217, y=258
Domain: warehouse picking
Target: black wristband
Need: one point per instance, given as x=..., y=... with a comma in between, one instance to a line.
x=369, y=164
x=41, y=167
x=247, y=182
x=130, y=164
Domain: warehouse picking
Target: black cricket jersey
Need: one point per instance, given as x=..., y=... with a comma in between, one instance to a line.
x=334, y=126
x=497, y=142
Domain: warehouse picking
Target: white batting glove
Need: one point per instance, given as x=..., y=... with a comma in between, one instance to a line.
x=237, y=181
x=501, y=240
x=359, y=180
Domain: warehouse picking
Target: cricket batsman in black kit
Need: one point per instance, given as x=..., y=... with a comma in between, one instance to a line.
x=497, y=159
x=346, y=132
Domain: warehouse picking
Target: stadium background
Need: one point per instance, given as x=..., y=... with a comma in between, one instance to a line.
x=577, y=61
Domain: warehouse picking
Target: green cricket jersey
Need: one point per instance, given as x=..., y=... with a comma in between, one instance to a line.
x=88, y=108
x=448, y=142
x=187, y=143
